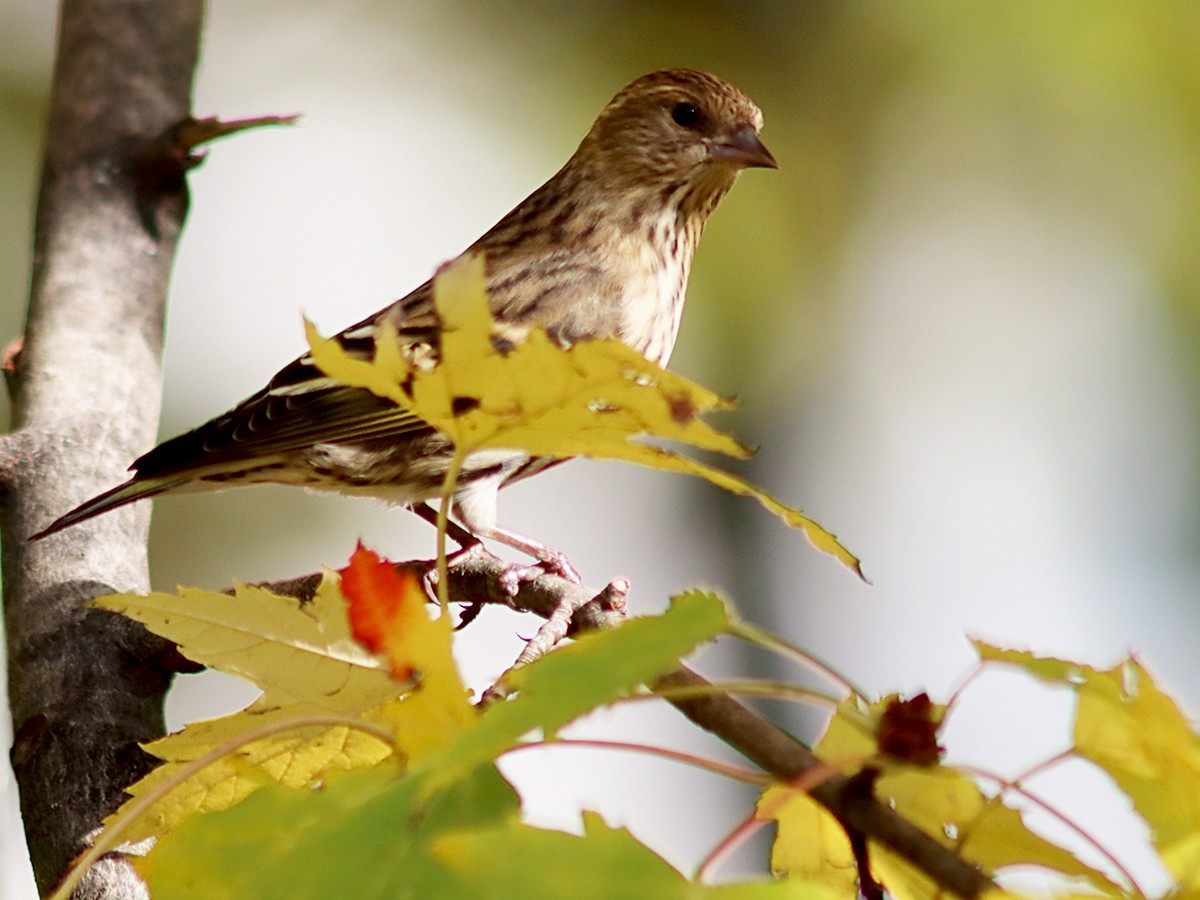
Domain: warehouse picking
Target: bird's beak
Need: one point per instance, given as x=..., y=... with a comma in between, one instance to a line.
x=742, y=148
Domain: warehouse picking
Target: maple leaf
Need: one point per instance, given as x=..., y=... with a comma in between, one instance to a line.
x=598, y=399
x=1128, y=727
x=596, y=669
x=944, y=802
x=368, y=836
x=307, y=664
x=389, y=614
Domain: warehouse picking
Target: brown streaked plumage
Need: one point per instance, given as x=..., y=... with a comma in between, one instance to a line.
x=602, y=249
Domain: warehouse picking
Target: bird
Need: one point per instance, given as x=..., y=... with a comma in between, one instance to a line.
x=603, y=249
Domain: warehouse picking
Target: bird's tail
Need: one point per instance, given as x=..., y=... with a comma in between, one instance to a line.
x=133, y=489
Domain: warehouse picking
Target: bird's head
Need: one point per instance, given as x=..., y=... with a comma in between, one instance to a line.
x=678, y=129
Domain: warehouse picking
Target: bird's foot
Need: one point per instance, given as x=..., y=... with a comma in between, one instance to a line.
x=549, y=560
x=552, y=562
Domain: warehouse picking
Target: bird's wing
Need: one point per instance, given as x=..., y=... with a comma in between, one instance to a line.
x=268, y=425
x=302, y=407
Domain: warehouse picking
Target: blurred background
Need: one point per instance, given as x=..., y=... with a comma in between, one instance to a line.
x=961, y=320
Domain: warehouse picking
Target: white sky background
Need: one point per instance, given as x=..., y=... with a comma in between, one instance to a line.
x=998, y=430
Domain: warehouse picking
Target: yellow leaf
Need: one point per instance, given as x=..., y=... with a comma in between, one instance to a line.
x=389, y=613
x=849, y=738
x=810, y=844
x=941, y=800
x=949, y=806
x=1126, y=725
x=1137, y=734
x=308, y=665
x=592, y=399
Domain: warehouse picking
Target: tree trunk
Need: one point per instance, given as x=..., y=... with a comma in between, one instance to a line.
x=85, y=686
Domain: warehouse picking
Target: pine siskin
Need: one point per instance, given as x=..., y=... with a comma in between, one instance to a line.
x=601, y=250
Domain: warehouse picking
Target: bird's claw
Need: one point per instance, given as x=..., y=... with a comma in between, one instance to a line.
x=555, y=563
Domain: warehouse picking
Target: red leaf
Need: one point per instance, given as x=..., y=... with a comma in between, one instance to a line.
x=381, y=604
x=908, y=731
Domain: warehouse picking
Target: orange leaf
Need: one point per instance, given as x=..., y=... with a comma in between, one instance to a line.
x=386, y=608
x=388, y=612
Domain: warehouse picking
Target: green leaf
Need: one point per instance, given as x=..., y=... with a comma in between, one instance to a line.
x=364, y=835
x=603, y=864
x=369, y=836
x=1044, y=668
x=596, y=669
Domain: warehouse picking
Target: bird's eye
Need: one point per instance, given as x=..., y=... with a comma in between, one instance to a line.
x=685, y=115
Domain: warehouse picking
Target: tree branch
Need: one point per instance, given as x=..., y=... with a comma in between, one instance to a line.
x=475, y=579
x=787, y=758
x=86, y=687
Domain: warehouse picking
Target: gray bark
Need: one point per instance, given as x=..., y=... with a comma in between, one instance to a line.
x=85, y=686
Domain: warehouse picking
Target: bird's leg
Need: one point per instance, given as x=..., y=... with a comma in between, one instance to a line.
x=467, y=544
x=465, y=539
x=475, y=507
x=549, y=560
